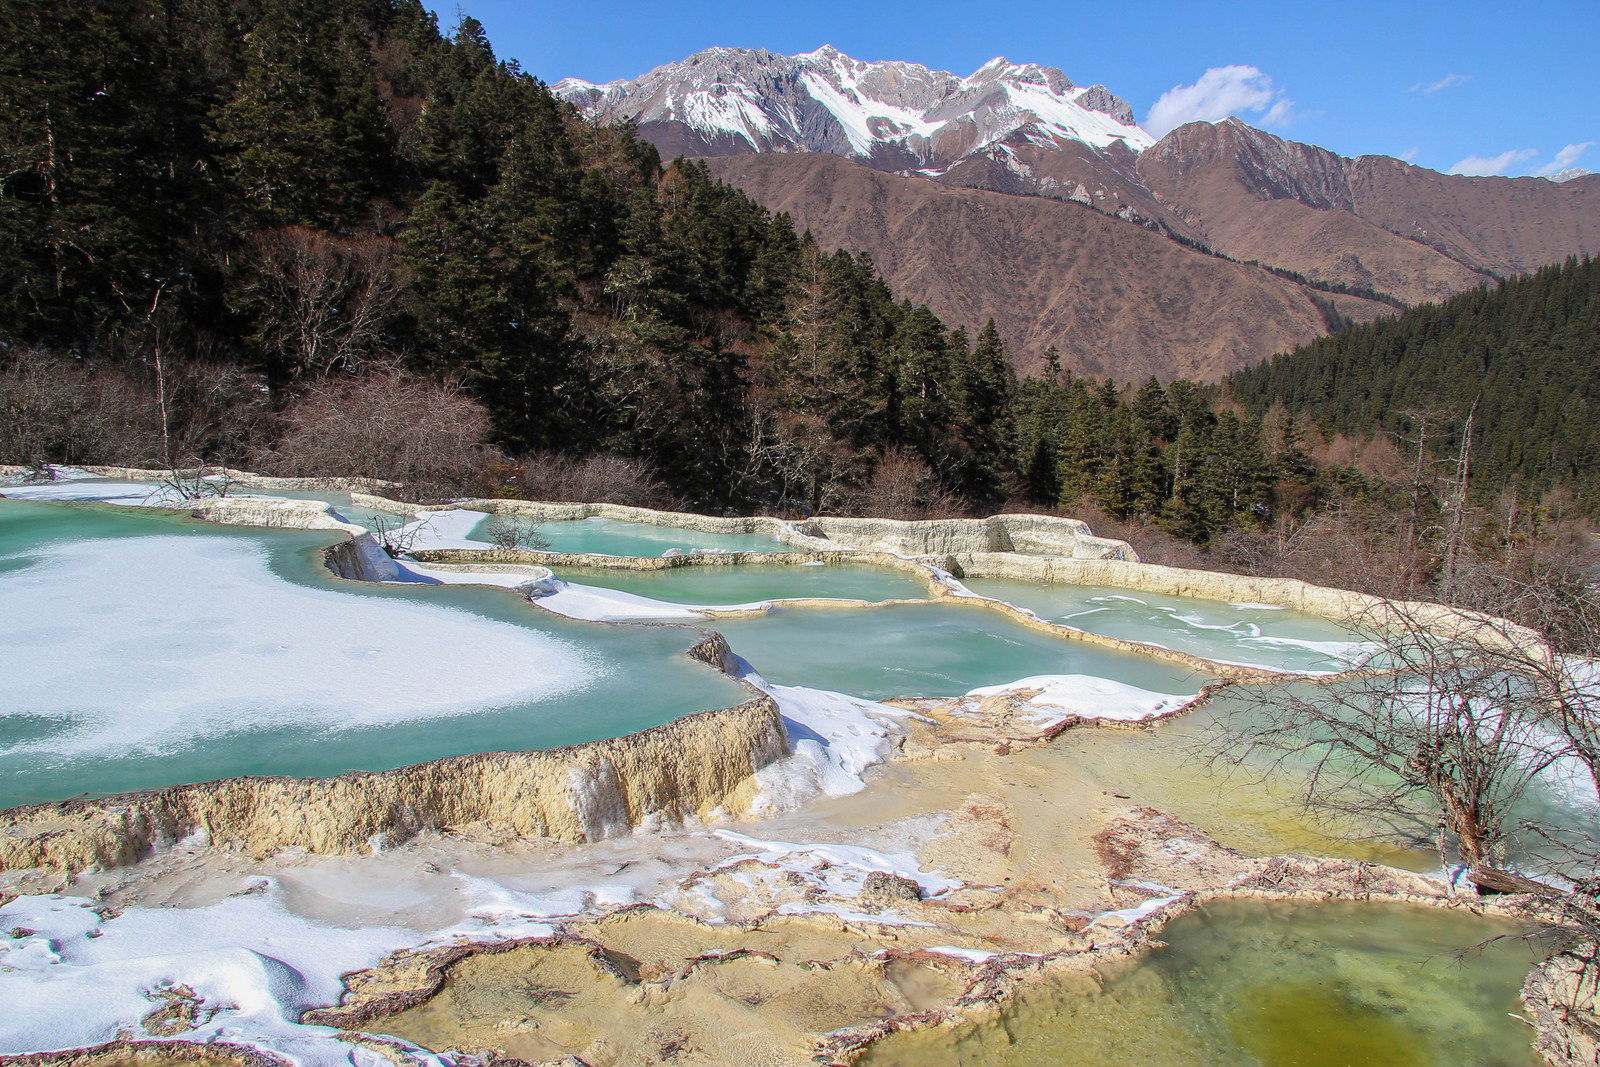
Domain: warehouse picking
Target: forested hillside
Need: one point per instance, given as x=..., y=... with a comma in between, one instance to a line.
x=1522, y=358
x=292, y=192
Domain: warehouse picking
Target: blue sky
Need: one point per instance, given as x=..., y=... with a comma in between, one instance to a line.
x=1488, y=87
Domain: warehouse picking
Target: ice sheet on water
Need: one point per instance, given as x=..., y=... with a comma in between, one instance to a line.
x=151, y=642
x=95, y=490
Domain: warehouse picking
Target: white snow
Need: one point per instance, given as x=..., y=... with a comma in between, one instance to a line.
x=442, y=529
x=726, y=107
x=841, y=869
x=103, y=492
x=833, y=738
x=1139, y=911
x=855, y=112
x=76, y=979
x=148, y=643
x=759, y=98
x=599, y=604
x=971, y=955
x=1064, y=695
x=1066, y=118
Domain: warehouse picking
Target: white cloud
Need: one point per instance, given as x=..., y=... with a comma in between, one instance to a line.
x=1449, y=81
x=1410, y=155
x=1485, y=165
x=1218, y=93
x=1565, y=158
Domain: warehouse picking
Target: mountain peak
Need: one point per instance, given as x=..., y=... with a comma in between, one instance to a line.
x=901, y=114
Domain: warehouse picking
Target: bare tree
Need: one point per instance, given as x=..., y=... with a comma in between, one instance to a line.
x=1455, y=718
x=599, y=478
x=321, y=303
x=397, y=537
x=509, y=531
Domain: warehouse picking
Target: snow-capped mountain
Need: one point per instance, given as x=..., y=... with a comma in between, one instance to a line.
x=1365, y=223
x=895, y=115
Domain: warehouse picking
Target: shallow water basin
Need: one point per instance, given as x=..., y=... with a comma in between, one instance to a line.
x=616, y=537
x=751, y=583
x=933, y=650
x=1256, y=635
x=1249, y=982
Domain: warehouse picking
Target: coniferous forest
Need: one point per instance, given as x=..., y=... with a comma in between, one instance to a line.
x=305, y=189
x=1523, y=359
x=224, y=218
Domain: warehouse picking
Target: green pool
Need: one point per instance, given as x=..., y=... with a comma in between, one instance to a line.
x=1248, y=982
x=927, y=650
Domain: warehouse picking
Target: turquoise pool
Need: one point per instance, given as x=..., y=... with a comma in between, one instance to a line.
x=1256, y=635
x=615, y=537
x=144, y=649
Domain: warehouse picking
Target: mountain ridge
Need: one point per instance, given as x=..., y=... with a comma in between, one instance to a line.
x=898, y=114
x=1368, y=224
x=1115, y=300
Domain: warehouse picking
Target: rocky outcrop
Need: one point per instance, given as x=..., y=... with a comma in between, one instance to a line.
x=896, y=114
x=361, y=559
x=275, y=514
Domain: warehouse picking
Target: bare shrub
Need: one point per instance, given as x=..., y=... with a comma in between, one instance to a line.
x=396, y=537
x=62, y=411
x=197, y=483
x=1153, y=544
x=593, y=479
x=901, y=486
x=511, y=532
x=218, y=413
x=428, y=436
x=1349, y=546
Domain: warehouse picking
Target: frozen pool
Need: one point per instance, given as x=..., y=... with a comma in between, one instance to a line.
x=144, y=649
x=135, y=493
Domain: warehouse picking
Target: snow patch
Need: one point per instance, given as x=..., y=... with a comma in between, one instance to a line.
x=1084, y=696
x=833, y=739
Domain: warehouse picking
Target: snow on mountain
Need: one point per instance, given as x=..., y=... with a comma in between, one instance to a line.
x=904, y=115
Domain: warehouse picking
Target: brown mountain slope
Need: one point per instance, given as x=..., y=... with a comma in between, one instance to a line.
x=1114, y=298
x=1371, y=221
